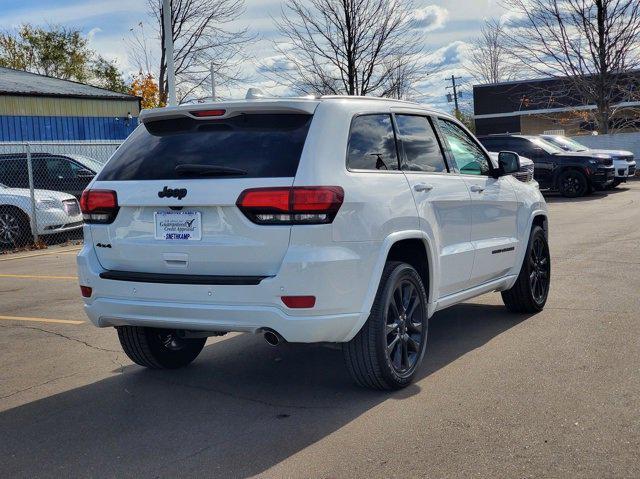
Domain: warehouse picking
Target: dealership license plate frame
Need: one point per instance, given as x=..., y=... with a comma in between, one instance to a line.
x=178, y=225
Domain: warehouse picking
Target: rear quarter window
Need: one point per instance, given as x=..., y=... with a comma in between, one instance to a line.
x=372, y=143
x=263, y=145
x=12, y=171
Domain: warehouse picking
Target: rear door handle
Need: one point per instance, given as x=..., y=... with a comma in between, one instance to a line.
x=420, y=187
x=476, y=189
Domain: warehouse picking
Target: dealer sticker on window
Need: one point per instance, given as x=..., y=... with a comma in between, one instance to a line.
x=178, y=225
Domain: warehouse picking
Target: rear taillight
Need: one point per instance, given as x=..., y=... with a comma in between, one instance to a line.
x=99, y=206
x=299, y=205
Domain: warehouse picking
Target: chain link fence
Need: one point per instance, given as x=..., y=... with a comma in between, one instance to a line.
x=40, y=188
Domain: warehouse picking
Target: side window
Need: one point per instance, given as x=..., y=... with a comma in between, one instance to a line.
x=421, y=149
x=59, y=168
x=469, y=157
x=494, y=145
x=372, y=144
x=6, y=168
x=13, y=172
x=525, y=147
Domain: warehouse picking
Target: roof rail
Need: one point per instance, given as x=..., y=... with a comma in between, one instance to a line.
x=360, y=97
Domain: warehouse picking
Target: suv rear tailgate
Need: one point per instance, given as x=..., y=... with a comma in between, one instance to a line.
x=177, y=181
x=229, y=244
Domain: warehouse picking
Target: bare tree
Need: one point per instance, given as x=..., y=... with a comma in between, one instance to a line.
x=590, y=43
x=403, y=77
x=138, y=48
x=352, y=47
x=489, y=60
x=200, y=36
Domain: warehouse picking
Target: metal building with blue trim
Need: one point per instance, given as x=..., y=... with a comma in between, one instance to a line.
x=40, y=108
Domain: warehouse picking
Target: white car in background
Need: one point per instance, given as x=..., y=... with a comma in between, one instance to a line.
x=623, y=161
x=56, y=212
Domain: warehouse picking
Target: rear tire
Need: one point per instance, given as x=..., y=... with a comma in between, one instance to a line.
x=389, y=348
x=573, y=184
x=15, y=228
x=158, y=348
x=529, y=293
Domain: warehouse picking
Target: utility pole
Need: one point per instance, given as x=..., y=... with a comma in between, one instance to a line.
x=168, y=52
x=455, y=96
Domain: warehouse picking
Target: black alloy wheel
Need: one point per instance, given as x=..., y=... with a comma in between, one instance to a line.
x=530, y=292
x=573, y=184
x=540, y=267
x=388, y=350
x=404, y=327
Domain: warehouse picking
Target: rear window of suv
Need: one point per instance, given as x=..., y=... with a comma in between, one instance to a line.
x=262, y=145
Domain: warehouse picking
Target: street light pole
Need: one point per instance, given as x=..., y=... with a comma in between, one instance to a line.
x=168, y=50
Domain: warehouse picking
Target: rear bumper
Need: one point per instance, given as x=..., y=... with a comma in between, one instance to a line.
x=105, y=312
x=338, y=275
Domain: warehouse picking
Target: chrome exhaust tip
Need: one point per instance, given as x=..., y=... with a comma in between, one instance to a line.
x=272, y=338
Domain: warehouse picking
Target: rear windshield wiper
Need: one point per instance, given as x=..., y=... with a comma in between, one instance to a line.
x=208, y=170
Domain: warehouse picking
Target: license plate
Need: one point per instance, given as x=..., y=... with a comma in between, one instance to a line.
x=178, y=225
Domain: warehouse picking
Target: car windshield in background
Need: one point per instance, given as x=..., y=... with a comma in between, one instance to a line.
x=90, y=163
x=566, y=144
x=254, y=146
x=546, y=146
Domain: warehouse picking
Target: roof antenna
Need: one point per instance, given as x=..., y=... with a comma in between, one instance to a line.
x=254, y=94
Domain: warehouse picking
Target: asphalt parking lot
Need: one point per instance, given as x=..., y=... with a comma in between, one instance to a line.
x=552, y=395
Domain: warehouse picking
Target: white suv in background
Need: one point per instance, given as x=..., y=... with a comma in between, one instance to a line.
x=335, y=219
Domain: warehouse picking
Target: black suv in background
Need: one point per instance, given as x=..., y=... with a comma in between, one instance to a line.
x=69, y=174
x=572, y=174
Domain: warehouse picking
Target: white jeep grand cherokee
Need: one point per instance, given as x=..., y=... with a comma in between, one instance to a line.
x=334, y=219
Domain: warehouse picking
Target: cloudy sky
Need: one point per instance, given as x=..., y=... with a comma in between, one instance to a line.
x=448, y=24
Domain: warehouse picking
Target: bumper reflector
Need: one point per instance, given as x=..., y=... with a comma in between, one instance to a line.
x=86, y=291
x=298, y=302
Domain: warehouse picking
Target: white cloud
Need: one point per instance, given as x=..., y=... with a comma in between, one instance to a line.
x=429, y=18
x=450, y=54
x=278, y=63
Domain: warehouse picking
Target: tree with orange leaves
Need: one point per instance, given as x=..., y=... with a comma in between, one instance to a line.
x=144, y=85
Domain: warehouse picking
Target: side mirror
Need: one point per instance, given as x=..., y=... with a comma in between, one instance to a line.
x=85, y=174
x=508, y=163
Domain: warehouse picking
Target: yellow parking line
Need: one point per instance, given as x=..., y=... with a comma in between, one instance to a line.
x=30, y=276
x=25, y=256
x=40, y=320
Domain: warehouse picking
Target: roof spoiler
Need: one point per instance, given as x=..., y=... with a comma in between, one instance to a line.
x=222, y=110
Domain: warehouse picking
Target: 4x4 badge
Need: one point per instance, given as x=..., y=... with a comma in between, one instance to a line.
x=172, y=193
